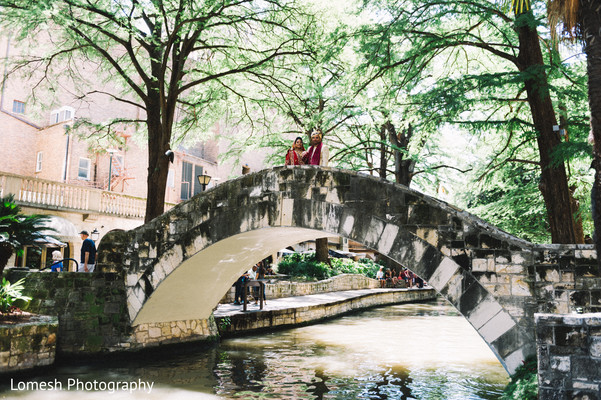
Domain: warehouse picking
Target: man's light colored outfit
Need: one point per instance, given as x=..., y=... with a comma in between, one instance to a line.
x=317, y=155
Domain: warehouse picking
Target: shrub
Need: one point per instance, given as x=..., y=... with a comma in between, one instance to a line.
x=10, y=293
x=305, y=266
x=524, y=382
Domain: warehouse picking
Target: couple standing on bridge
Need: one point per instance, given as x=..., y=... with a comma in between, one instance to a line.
x=318, y=153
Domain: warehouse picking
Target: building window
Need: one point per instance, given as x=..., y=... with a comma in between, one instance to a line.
x=197, y=185
x=84, y=169
x=171, y=178
x=186, y=181
x=38, y=164
x=62, y=114
x=18, y=107
x=190, y=185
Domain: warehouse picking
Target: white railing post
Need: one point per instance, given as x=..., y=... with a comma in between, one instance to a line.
x=95, y=200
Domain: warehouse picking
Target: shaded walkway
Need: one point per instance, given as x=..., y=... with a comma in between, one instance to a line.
x=301, y=310
x=291, y=303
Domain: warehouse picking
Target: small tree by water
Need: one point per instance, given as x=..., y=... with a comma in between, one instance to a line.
x=18, y=230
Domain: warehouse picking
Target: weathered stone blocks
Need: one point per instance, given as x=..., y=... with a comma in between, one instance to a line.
x=28, y=344
x=569, y=358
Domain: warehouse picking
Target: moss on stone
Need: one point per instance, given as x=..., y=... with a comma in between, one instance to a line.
x=94, y=342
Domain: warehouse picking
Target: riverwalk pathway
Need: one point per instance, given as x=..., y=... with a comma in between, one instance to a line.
x=300, y=310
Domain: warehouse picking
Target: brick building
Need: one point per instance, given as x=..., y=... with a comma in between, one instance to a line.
x=51, y=168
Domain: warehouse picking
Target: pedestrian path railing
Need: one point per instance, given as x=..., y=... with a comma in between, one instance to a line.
x=46, y=194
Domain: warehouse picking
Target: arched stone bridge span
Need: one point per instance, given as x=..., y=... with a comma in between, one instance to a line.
x=178, y=266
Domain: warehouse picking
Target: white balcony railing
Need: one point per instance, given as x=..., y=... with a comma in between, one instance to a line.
x=55, y=195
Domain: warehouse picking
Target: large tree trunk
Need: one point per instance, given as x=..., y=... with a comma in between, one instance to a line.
x=554, y=180
x=321, y=250
x=591, y=31
x=158, y=163
x=403, y=167
x=383, y=157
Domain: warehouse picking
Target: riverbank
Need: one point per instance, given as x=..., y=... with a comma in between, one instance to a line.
x=302, y=310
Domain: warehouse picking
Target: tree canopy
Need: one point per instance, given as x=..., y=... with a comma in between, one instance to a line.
x=169, y=60
x=464, y=100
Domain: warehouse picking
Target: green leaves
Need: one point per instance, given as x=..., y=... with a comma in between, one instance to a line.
x=304, y=266
x=11, y=293
x=18, y=230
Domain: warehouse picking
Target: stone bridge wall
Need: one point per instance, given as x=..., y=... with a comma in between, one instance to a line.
x=92, y=313
x=569, y=356
x=495, y=280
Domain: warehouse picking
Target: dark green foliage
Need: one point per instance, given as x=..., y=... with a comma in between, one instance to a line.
x=512, y=201
x=524, y=382
x=304, y=266
x=18, y=230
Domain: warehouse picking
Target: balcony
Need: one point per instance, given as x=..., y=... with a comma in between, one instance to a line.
x=50, y=195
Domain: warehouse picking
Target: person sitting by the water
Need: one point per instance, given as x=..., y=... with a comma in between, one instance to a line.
x=401, y=278
x=380, y=277
x=388, y=277
x=408, y=278
x=393, y=279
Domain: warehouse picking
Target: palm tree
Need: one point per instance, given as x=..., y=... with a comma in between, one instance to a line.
x=18, y=230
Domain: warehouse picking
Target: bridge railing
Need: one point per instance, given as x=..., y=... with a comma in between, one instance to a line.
x=48, y=194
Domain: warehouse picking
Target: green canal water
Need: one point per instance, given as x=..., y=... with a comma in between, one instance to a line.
x=413, y=351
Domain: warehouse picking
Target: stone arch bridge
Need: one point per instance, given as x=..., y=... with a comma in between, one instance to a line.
x=178, y=266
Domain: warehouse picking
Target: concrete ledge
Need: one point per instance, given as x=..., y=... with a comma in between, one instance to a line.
x=302, y=310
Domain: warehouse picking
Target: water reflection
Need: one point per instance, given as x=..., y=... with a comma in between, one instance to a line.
x=422, y=351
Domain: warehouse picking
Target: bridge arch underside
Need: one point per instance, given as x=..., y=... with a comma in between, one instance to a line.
x=194, y=288
x=180, y=265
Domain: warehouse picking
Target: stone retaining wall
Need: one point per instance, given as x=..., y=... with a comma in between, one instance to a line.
x=280, y=289
x=254, y=321
x=569, y=356
x=28, y=345
x=90, y=308
x=175, y=332
x=92, y=313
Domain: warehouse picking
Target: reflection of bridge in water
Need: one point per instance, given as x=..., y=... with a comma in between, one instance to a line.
x=178, y=266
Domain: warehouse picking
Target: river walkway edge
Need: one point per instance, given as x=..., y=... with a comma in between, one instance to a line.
x=302, y=310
